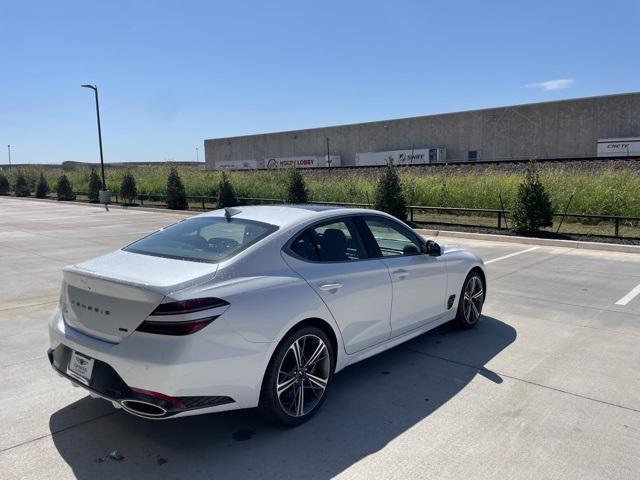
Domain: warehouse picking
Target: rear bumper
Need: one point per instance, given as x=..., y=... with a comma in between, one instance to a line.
x=212, y=370
x=106, y=383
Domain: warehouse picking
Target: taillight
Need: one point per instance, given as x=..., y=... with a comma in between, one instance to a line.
x=181, y=327
x=189, y=306
x=175, y=328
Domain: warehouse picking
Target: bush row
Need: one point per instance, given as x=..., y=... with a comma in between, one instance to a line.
x=532, y=209
x=175, y=191
x=601, y=188
x=23, y=188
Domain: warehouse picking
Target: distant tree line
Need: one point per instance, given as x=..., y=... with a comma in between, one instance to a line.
x=531, y=211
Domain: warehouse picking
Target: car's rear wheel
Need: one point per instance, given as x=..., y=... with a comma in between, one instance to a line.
x=298, y=376
x=471, y=301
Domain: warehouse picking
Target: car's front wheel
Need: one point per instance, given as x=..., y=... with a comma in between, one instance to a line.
x=298, y=376
x=471, y=301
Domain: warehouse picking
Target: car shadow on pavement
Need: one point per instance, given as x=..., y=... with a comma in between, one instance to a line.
x=370, y=404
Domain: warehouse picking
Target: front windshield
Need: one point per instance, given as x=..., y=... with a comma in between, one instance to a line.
x=202, y=239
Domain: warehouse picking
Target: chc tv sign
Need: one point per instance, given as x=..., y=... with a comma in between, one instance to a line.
x=619, y=147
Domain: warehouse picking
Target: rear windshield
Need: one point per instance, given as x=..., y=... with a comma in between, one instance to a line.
x=202, y=239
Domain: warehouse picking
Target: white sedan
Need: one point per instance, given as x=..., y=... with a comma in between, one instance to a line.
x=254, y=306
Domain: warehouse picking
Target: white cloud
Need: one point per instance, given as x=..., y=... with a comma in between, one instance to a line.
x=558, y=84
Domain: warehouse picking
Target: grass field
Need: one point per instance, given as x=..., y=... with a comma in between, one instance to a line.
x=601, y=188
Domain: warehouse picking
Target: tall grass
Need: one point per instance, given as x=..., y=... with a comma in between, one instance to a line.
x=612, y=189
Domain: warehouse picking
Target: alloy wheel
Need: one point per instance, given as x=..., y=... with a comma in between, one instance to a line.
x=303, y=375
x=472, y=301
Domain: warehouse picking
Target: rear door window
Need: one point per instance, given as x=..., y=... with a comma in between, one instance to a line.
x=305, y=247
x=334, y=241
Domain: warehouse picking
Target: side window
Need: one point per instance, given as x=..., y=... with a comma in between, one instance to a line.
x=393, y=240
x=329, y=242
x=337, y=242
x=305, y=247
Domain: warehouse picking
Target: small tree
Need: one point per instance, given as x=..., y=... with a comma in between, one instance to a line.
x=226, y=193
x=64, y=189
x=389, y=196
x=176, y=195
x=532, y=209
x=128, y=189
x=4, y=185
x=95, y=185
x=21, y=186
x=296, y=188
x=42, y=189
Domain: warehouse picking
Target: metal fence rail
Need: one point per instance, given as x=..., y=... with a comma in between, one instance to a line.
x=415, y=212
x=501, y=216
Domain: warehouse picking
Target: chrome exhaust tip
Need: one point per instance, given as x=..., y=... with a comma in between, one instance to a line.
x=144, y=409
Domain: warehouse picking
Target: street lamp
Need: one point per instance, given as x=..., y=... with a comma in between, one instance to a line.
x=105, y=195
x=9, y=151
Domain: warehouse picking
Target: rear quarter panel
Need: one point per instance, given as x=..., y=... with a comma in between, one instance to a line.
x=267, y=298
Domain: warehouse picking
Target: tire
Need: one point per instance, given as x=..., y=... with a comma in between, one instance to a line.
x=298, y=376
x=471, y=301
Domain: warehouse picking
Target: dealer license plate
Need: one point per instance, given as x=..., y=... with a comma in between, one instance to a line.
x=80, y=367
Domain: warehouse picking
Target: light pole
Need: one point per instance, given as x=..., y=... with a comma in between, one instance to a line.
x=197, y=155
x=106, y=196
x=9, y=151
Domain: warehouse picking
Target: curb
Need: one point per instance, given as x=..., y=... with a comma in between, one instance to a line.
x=545, y=242
x=186, y=213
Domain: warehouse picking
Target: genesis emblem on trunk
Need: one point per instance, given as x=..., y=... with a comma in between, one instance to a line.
x=91, y=308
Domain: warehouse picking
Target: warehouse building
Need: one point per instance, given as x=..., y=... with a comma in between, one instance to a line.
x=583, y=127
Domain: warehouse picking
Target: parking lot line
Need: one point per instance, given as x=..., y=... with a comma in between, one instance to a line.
x=629, y=296
x=510, y=255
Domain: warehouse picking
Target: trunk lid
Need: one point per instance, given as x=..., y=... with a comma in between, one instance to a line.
x=110, y=296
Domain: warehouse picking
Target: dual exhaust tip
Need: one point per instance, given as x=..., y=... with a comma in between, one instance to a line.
x=142, y=408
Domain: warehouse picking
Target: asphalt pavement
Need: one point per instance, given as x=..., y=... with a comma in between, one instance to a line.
x=547, y=386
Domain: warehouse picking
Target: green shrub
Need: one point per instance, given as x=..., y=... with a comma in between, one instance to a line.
x=42, y=189
x=95, y=185
x=64, y=189
x=176, y=196
x=128, y=189
x=296, y=188
x=21, y=186
x=389, y=196
x=226, y=193
x=532, y=208
x=4, y=185
x=602, y=187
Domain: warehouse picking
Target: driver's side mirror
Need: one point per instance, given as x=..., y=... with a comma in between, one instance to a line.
x=433, y=249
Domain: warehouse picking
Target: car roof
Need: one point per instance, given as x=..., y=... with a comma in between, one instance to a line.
x=289, y=214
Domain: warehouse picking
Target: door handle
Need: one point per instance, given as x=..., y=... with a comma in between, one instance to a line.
x=329, y=287
x=400, y=273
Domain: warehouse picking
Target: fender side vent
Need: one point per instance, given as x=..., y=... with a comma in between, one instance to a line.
x=452, y=299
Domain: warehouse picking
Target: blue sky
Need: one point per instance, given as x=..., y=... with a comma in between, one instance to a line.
x=174, y=73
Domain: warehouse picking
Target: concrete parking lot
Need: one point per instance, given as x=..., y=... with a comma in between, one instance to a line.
x=547, y=386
